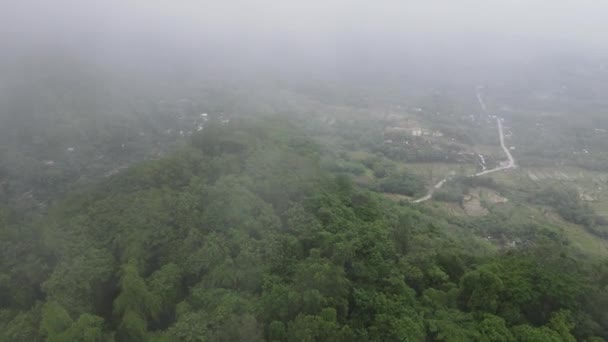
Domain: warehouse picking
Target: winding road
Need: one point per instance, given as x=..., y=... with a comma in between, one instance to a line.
x=509, y=165
x=511, y=161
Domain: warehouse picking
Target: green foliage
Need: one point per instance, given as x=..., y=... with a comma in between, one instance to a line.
x=133, y=327
x=80, y=284
x=277, y=331
x=532, y=334
x=88, y=328
x=55, y=320
x=322, y=327
x=135, y=298
x=343, y=166
x=24, y=326
x=452, y=191
x=486, y=182
x=567, y=203
x=494, y=329
x=56, y=325
x=166, y=286
x=480, y=290
x=404, y=183
x=242, y=237
x=189, y=327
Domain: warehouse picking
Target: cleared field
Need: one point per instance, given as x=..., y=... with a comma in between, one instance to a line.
x=447, y=208
x=584, y=240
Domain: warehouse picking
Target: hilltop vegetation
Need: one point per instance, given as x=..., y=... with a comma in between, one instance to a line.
x=303, y=171
x=243, y=235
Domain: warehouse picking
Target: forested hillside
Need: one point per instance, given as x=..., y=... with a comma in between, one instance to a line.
x=243, y=235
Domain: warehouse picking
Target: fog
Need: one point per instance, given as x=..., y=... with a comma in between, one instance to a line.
x=308, y=20
x=334, y=34
x=312, y=170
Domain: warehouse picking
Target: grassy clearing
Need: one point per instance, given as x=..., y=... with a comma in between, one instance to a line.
x=360, y=155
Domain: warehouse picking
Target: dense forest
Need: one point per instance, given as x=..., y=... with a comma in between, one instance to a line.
x=245, y=235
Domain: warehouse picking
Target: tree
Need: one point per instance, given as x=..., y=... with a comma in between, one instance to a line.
x=404, y=183
x=532, y=334
x=166, y=287
x=55, y=320
x=25, y=326
x=481, y=290
x=323, y=327
x=132, y=328
x=190, y=327
x=494, y=329
x=134, y=305
x=80, y=285
x=88, y=328
x=277, y=332
x=561, y=322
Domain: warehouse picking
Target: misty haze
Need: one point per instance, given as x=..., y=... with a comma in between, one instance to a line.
x=307, y=171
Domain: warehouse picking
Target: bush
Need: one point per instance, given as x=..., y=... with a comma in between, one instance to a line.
x=485, y=182
x=404, y=183
x=343, y=166
x=567, y=203
x=448, y=196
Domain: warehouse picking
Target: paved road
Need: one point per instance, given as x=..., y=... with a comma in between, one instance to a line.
x=510, y=164
x=511, y=160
